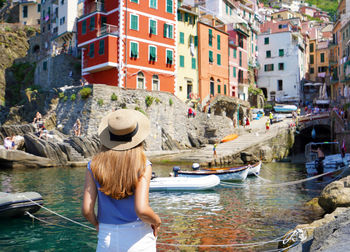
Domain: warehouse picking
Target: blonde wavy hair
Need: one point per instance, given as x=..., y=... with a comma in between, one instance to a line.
x=118, y=172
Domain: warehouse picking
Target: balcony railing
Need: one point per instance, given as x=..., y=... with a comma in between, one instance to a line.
x=108, y=29
x=93, y=7
x=243, y=81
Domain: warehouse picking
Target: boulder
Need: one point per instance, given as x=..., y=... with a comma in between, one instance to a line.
x=17, y=130
x=248, y=157
x=336, y=194
x=85, y=145
x=194, y=141
x=21, y=159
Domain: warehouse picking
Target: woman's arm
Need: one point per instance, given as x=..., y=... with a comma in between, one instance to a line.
x=90, y=194
x=142, y=208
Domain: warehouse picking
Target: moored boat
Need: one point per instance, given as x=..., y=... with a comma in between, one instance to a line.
x=17, y=204
x=238, y=173
x=184, y=183
x=252, y=168
x=284, y=108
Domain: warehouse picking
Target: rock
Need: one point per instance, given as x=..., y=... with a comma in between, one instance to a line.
x=17, y=130
x=266, y=153
x=247, y=157
x=85, y=145
x=21, y=159
x=336, y=194
x=314, y=206
x=194, y=142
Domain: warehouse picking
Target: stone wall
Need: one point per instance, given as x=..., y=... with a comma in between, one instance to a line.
x=168, y=116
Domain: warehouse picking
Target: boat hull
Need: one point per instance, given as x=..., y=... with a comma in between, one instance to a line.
x=17, y=204
x=237, y=174
x=285, y=108
x=184, y=183
x=330, y=163
x=254, y=169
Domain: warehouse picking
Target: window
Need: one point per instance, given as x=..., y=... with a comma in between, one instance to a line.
x=168, y=31
x=25, y=11
x=153, y=4
x=195, y=40
x=92, y=23
x=266, y=41
x=322, y=57
x=268, y=67
x=268, y=54
x=279, y=26
x=152, y=27
x=240, y=58
x=63, y=21
x=62, y=2
x=140, y=80
x=280, y=66
x=311, y=59
x=219, y=88
x=134, y=50
x=311, y=47
x=134, y=1
x=83, y=27
x=155, y=83
x=225, y=89
x=212, y=84
x=218, y=42
x=182, y=38
x=211, y=57
x=186, y=17
x=234, y=72
x=39, y=8
x=45, y=65
x=152, y=56
x=281, y=52
x=134, y=22
x=235, y=53
x=182, y=61
x=169, y=57
x=210, y=37
x=322, y=69
x=240, y=41
x=312, y=70
x=169, y=6
x=218, y=58
x=179, y=16
x=101, y=49
x=92, y=50
x=280, y=85
x=194, y=63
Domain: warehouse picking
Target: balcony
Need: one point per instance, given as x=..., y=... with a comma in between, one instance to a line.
x=243, y=81
x=94, y=7
x=108, y=29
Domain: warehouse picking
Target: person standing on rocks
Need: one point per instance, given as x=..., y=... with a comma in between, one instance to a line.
x=271, y=117
x=120, y=176
x=77, y=127
x=214, y=151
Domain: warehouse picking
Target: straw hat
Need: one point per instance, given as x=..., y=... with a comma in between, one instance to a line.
x=123, y=129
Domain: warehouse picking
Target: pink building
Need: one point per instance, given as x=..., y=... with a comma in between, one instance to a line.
x=238, y=62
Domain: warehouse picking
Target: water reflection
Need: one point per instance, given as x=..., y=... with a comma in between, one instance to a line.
x=226, y=215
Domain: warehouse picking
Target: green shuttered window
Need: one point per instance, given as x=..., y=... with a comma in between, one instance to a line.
x=169, y=6
x=210, y=37
x=101, y=49
x=153, y=4
x=134, y=50
x=218, y=57
x=83, y=27
x=182, y=38
x=153, y=27
x=152, y=53
x=211, y=58
x=134, y=25
x=219, y=42
x=182, y=61
x=169, y=57
x=194, y=63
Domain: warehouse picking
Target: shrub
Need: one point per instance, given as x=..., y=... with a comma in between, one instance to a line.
x=114, y=97
x=149, y=100
x=171, y=102
x=73, y=97
x=65, y=98
x=85, y=92
x=157, y=100
x=141, y=110
x=267, y=106
x=100, y=102
x=60, y=95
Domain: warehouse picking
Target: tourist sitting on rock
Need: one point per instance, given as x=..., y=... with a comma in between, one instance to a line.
x=77, y=127
x=37, y=120
x=9, y=143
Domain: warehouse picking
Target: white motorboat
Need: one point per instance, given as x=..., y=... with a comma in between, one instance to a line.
x=17, y=204
x=285, y=108
x=331, y=162
x=184, y=183
x=254, y=169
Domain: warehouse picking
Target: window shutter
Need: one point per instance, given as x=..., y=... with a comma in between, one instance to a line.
x=211, y=60
x=186, y=17
x=196, y=40
x=210, y=37
x=170, y=31
x=219, y=41
x=165, y=30
x=193, y=63
x=182, y=61
x=182, y=38
x=218, y=56
x=169, y=6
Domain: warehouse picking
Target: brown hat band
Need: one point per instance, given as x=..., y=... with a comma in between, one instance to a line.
x=124, y=138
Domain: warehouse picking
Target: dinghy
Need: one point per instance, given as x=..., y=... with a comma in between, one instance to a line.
x=17, y=204
x=184, y=183
x=252, y=168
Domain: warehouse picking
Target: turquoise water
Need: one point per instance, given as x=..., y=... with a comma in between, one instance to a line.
x=225, y=215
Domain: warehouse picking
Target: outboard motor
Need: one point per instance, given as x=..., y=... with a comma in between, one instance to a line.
x=153, y=175
x=195, y=166
x=176, y=169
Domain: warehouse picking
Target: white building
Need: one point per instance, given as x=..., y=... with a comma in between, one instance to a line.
x=292, y=5
x=282, y=66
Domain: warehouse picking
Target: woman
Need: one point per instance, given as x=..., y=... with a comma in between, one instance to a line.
x=120, y=175
x=77, y=127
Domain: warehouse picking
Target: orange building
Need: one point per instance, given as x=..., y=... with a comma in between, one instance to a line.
x=139, y=41
x=212, y=59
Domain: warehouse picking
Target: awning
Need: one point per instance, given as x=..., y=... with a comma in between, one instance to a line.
x=312, y=84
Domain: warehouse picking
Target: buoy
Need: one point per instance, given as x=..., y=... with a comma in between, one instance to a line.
x=195, y=166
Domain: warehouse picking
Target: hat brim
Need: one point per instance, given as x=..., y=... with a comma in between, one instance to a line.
x=141, y=134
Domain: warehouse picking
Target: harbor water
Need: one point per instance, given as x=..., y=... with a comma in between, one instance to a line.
x=242, y=213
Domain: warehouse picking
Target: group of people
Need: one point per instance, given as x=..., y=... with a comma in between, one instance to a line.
x=191, y=113
x=10, y=143
x=38, y=123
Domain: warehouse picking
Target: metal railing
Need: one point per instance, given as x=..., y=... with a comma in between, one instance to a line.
x=108, y=29
x=93, y=7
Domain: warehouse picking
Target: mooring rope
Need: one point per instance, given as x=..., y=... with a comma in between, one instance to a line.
x=64, y=217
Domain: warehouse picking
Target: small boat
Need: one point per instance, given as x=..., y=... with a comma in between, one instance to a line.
x=238, y=173
x=252, y=168
x=332, y=161
x=17, y=204
x=229, y=138
x=184, y=183
x=285, y=108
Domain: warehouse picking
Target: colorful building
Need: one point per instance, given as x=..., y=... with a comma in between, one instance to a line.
x=212, y=58
x=139, y=41
x=29, y=12
x=187, y=53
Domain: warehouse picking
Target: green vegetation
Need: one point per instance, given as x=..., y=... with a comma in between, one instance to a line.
x=65, y=98
x=60, y=95
x=100, y=102
x=254, y=91
x=268, y=106
x=85, y=92
x=114, y=97
x=141, y=110
x=73, y=97
x=171, y=102
x=326, y=5
x=149, y=100
x=157, y=100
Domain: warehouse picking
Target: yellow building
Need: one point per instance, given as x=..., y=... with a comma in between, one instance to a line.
x=287, y=14
x=29, y=12
x=187, y=54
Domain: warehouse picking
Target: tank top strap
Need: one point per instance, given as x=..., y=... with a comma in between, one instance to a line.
x=89, y=169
